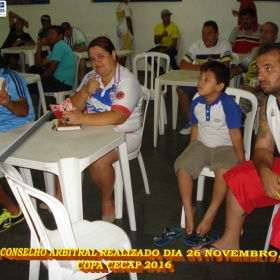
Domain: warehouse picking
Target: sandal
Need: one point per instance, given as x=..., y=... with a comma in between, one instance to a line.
x=195, y=240
x=167, y=236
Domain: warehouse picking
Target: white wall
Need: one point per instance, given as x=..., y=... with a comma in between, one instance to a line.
x=100, y=18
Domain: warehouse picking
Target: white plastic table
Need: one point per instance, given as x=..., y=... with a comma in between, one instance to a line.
x=67, y=154
x=174, y=78
x=29, y=51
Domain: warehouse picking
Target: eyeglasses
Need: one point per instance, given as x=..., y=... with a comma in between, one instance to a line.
x=266, y=31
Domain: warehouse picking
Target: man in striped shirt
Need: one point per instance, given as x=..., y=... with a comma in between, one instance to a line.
x=245, y=36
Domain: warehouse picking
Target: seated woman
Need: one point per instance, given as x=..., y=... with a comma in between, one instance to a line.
x=108, y=95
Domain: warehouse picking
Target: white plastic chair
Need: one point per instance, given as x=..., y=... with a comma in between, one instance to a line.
x=235, y=81
x=247, y=137
x=81, y=234
x=60, y=95
x=149, y=78
x=118, y=188
x=267, y=241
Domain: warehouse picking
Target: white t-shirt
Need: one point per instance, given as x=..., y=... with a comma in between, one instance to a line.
x=198, y=51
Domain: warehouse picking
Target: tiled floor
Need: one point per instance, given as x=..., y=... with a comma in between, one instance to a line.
x=154, y=212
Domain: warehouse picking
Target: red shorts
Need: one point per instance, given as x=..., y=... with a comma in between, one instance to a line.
x=245, y=184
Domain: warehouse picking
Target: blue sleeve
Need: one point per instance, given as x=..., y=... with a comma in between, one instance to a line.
x=16, y=86
x=232, y=112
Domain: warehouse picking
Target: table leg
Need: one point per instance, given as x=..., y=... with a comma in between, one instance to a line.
x=127, y=185
x=22, y=61
x=42, y=96
x=156, y=110
x=49, y=183
x=69, y=174
x=175, y=101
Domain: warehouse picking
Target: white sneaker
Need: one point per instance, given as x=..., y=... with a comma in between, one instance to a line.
x=187, y=129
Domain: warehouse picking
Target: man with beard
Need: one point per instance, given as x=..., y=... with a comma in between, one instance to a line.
x=256, y=183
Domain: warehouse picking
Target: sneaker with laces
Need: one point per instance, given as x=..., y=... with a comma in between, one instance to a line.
x=7, y=220
x=187, y=129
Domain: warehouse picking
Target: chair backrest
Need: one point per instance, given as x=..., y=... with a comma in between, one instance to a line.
x=150, y=74
x=90, y=37
x=78, y=58
x=234, y=59
x=146, y=97
x=239, y=94
x=24, y=195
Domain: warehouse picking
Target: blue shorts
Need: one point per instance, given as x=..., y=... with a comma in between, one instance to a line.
x=189, y=91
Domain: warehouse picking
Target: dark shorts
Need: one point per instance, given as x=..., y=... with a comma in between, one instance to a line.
x=49, y=83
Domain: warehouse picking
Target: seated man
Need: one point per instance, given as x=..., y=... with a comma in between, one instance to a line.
x=210, y=47
x=17, y=37
x=46, y=24
x=15, y=110
x=268, y=35
x=77, y=41
x=166, y=35
x=255, y=184
x=216, y=141
x=58, y=69
x=245, y=36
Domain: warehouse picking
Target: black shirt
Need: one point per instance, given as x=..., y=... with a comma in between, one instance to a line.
x=13, y=36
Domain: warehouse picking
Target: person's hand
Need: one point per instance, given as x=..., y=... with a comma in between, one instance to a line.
x=18, y=42
x=164, y=34
x=5, y=98
x=26, y=23
x=73, y=117
x=92, y=85
x=44, y=42
x=271, y=183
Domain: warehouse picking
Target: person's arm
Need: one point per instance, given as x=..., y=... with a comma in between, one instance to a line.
x=194, y=132
x=19, y=107
x=251, y=89
x=13, y=16
x=264, y=155
x=184, y=65
x=80, y=49
x=236, y=70
x=28, y=40
x=237, y=142
x=173, y=45
x=114, y=116
x=159, y=37
x=226, y=63
x=39, y=61
x=52, y=65
x=79, y=99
